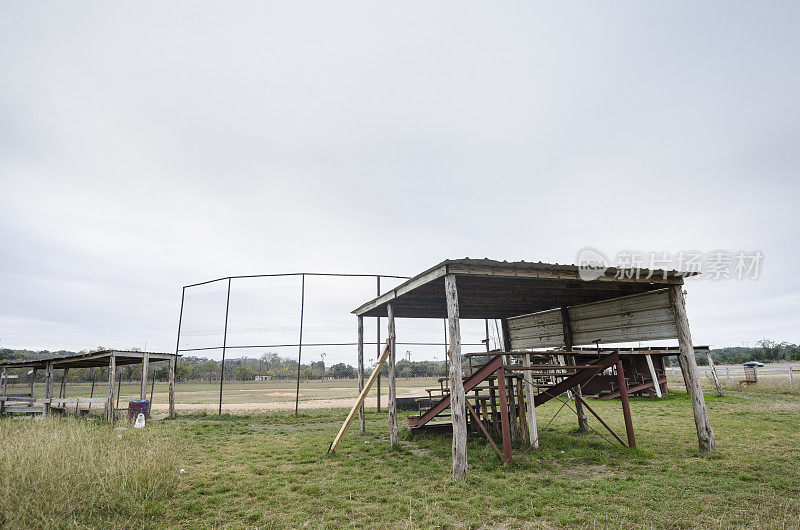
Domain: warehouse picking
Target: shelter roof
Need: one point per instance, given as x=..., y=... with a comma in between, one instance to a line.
x=500, y=289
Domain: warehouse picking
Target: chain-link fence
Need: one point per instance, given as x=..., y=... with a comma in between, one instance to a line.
x=261, y=333
x=786, y=375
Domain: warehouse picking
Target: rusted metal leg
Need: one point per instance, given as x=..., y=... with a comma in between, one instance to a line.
x=501, y=387
x=626, y=408
x=603, y=423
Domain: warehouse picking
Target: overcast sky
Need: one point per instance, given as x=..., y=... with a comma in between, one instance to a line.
x=151, y=145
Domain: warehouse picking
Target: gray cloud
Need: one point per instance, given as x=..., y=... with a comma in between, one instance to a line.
x=145, y=147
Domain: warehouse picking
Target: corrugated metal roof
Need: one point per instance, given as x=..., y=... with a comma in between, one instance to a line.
x=517, y=271
x=92, y=358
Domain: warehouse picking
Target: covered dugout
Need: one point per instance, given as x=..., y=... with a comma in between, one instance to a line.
x=28, y=402
x=541, y=306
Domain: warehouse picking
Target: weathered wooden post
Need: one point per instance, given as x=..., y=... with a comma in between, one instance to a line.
x=112, y=372
x=566, y=326
x=33, y=380
x=501, y=386
x=62, y=391
x=714, y=373
x=493, y=405
x=48, y=388
x=457, y=398
x=530, y=408
x=145, y=370
x=171, y=378
x=705, y=434
x=3, y=380
x=653, y=375
x=361, y=421
x=393, y=433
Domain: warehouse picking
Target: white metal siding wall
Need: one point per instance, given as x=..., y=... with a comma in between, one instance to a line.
x=640, y=317
x=537, y=330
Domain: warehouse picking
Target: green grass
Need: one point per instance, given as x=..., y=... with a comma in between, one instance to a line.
x=272, y=471
x=68, y=472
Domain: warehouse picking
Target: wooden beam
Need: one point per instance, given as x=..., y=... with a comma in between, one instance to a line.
x=632, y=389
x=457, y=397
x=501, y=386
x=566, y=324
x=653, y=375
x=63, y=390
x=410, y=285
x=716, y=379
x=172, y=362
x=563, y=273
x=705, y=434
x=3, y=379
x=112, y=371
x=360, y=400
x=483, y=429
x=145, y=373
x=48, y=388
x=393, y=432
x=361, y=419
x=512, y=409
x=530, y=409
x=33, y=380
x=78, y=400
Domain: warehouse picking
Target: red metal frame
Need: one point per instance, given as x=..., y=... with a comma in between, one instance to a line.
x=469, y=383
x=626, y=407
x=495, y=364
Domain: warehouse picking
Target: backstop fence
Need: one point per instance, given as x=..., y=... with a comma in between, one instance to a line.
x=305, y=317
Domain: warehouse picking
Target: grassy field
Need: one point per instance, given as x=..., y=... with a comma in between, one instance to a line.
x=275, y=395
x=271, y=470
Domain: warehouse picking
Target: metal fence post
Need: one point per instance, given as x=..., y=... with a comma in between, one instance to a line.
x=300, y=342
x=178, y=340
x=378, y=345
x=224, y=345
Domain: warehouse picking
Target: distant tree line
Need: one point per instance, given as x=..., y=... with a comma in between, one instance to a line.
x=277, y=367
x=765, y=351
x=241, y=369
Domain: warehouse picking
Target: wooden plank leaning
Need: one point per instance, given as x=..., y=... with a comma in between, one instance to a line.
x=361, y=399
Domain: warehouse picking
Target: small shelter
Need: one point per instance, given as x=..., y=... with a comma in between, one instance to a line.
x=28, y=402
x=540, y=306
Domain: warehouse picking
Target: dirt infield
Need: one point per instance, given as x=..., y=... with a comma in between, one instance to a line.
x=274, y=405
x=250, y=399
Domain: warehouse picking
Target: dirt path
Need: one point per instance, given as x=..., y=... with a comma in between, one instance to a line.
x=265, y=407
